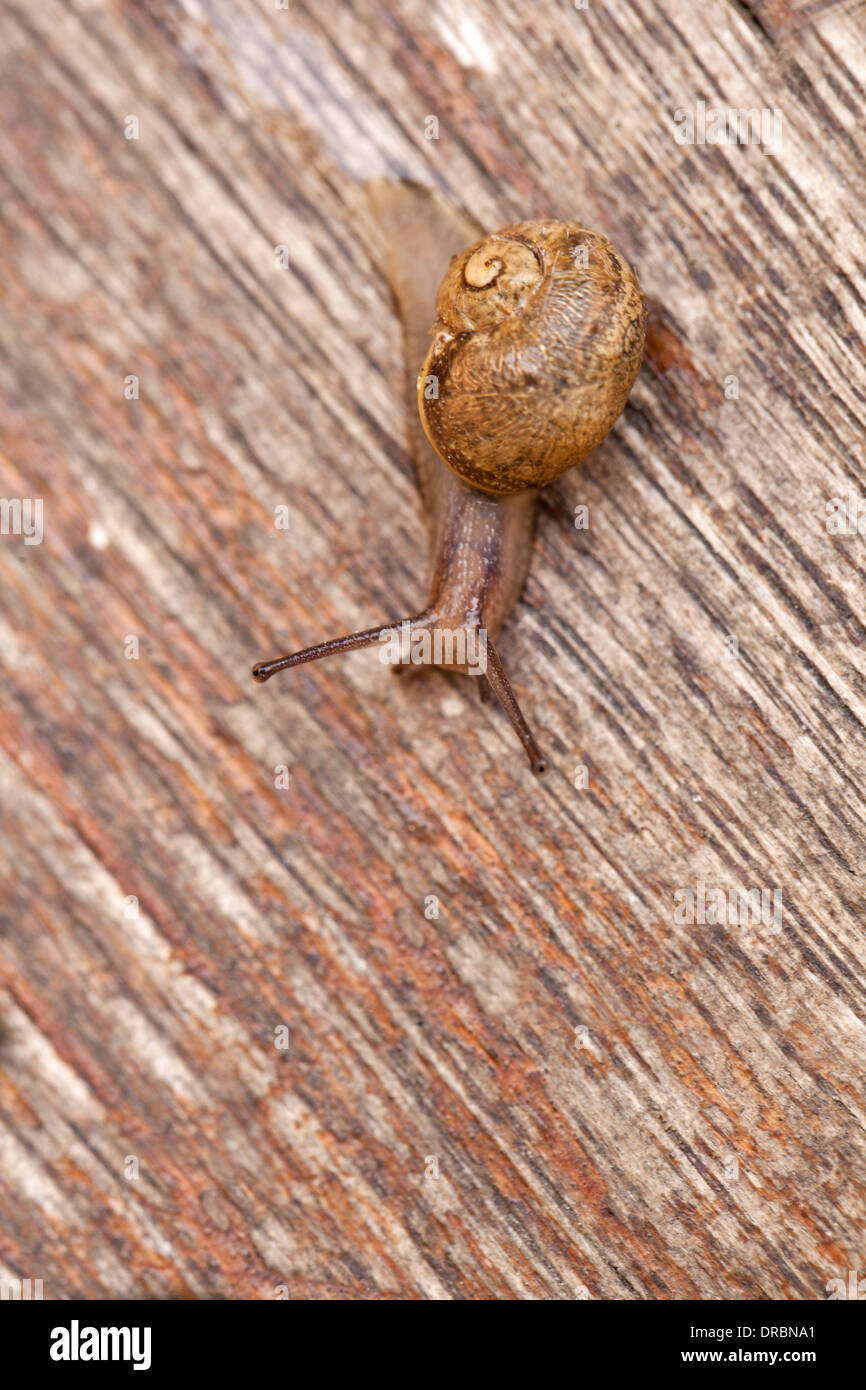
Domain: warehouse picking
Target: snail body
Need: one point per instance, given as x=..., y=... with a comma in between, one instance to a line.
x=538, y=338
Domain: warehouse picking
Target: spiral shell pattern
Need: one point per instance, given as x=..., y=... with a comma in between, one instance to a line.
x=538, y=340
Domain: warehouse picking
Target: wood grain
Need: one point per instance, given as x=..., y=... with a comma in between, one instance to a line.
x=619, y=1105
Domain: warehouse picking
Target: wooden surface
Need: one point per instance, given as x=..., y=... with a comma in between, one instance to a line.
x=703, y=1135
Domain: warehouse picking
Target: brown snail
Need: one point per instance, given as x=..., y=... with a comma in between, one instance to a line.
x=537, y=342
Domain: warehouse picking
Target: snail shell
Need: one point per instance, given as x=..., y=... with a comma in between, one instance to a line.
x=538, y=340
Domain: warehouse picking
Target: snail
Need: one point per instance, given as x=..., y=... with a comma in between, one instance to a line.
x=537, y=341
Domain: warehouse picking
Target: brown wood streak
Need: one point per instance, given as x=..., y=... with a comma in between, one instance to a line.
x=603, y=1169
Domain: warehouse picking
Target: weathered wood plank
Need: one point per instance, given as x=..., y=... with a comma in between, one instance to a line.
x=704, y=1135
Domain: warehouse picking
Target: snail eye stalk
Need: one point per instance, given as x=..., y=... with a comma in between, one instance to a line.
x=499, y=683
x=353, y=641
